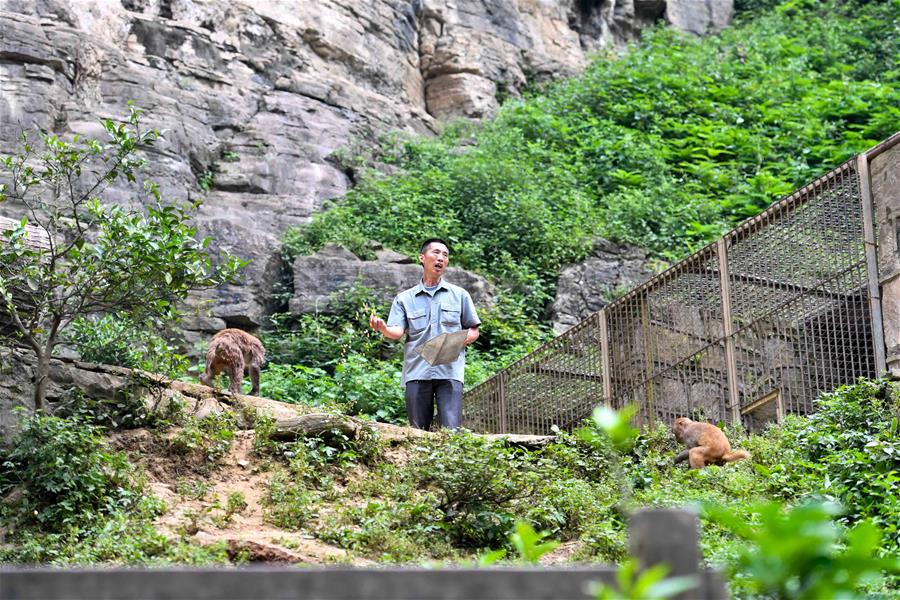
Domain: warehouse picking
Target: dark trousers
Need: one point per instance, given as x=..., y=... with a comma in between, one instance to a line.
x=420, y=400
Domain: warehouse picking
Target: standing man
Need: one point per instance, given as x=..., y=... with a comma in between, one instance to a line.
x=422, y=313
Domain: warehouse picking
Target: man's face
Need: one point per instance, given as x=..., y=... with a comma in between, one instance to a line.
x=435, y=259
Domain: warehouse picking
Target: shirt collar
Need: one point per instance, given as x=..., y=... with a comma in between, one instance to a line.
x=420, y=289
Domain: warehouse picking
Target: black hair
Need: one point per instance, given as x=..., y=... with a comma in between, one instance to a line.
x=426, y=243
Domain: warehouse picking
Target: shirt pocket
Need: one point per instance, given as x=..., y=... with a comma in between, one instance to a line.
x=418, y=320
x=450, y=315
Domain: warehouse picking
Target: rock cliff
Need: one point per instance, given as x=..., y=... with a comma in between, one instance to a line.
x=258, y=97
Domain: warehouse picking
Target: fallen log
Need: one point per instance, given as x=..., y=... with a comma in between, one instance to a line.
x=316, y=425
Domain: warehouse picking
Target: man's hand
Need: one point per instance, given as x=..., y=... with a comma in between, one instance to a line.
x=377, y=324
x=391, y=333
x=472, y=335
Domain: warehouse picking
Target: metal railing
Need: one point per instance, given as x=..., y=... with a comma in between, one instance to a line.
x=754, y=325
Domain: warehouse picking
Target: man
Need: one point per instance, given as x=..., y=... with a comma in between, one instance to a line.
x=423, y=312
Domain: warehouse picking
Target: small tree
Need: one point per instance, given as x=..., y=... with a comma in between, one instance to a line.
x=71, y=254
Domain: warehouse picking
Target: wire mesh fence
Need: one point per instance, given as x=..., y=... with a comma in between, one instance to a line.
x=749, y=328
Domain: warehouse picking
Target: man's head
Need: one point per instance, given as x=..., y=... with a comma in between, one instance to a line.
x=434, y=256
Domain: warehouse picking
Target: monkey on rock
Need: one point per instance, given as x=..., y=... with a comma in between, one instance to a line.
x=233, y=352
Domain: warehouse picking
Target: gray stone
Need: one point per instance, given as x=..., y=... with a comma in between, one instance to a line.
x=389, y=256
x=318, y=277
x=335, y=251
x=700, y=17
x=585, y=288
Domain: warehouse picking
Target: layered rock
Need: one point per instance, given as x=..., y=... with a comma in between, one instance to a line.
x=586, y=287
x=259, y=98
x=318, y=279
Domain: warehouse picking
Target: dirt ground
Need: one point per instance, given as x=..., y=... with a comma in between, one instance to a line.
x=196, y=496
x=196, y=490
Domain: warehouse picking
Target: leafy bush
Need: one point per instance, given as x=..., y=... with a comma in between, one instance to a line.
x=120, y=538
x=209, y=438
x=116, y=340
x=371, y=388
x=399, y=531
x=359, y=386
x=848, y=450
x=299, y=384
x=68, y=499
x=475, y=482
x=335, y=361
x=125, y=410
x=323, y=340
x=289, y=504
x=803, y=553
x=65, y=474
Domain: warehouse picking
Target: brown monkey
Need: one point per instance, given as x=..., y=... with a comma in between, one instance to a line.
x=233, y=352
x=706, y=443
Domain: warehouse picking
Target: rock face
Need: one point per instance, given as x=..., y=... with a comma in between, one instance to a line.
x=699, y=17
x=258, y=98
x=318, y=277
x=587, y=287
x=17, y=384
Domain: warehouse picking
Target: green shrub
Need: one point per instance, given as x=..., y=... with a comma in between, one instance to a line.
x=116, y=340
x=371, y=388
x=359, y=386
x=65, y=474
x=564, y=507
x=802, y=553
x=401, y=531
x=209, y=437
x=848, y=450
x=68, y=499
x=119, y=538
x=476, y=483
x=323, y=340
x=289, y=504
x=298, y=384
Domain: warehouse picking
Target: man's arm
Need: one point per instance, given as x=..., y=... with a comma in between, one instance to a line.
x=391, y=333
x=469, y=318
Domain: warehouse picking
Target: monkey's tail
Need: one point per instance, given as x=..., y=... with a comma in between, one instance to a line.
x=736, y=455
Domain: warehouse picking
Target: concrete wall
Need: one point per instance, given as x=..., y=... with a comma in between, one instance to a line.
x=884, y=170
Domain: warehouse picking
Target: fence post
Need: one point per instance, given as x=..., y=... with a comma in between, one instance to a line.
x=865, y=196
x=649, y=409
x=604, y=358
x=728, y=330
x=504, y=412
x=672, y=536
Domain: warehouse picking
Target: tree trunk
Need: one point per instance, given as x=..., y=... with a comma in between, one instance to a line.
x=41, y=379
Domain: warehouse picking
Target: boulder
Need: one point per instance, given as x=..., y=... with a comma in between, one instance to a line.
x=317, y=278
x=700, y=17
x=586, y=287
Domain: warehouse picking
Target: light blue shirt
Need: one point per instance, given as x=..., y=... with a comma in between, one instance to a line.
x=424, y=315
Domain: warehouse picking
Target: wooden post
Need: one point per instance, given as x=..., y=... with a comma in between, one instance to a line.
x=728, y=331
x=672, y=536
x=871, y=248
x=604, y=359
